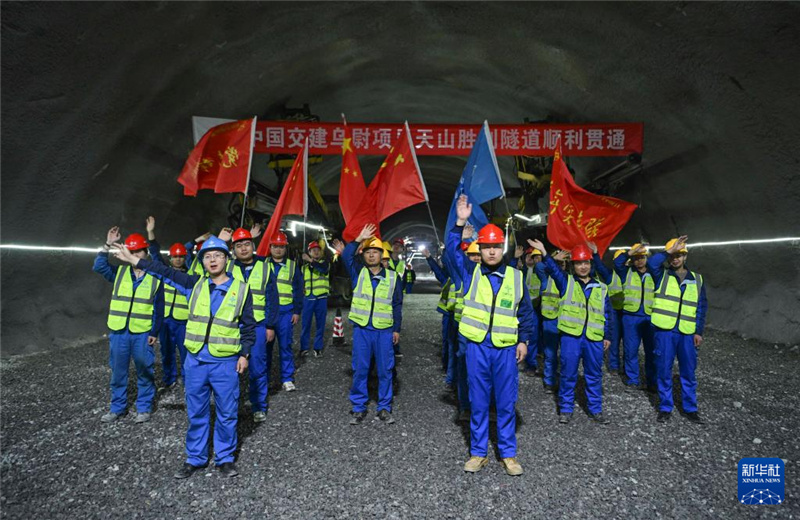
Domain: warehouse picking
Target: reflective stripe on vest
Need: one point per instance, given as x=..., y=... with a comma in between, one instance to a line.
x=572, y=316
x=670, y=304
x=284, y=281
x=376, y=304
x=487, y=312
x=534, y=286
x=175, y=304
x=197, y=266
x=615, y=292
x=636, y=293
x=257, y=281
x=316, y=283
x=444, y=297
x=134, y=309
x=220, y=332
x=551, y=300
x=399, y=267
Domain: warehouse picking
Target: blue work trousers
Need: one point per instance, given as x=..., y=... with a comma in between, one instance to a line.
x=171, y=337
x=313, y=310
x=462, y=380
x=257, y=370
x=366, y=345
x=637, y=330
x=616, y=336
x=124, y=346
x=550, y=339
x=284, y=333
x=573, y=349
x=668, y=345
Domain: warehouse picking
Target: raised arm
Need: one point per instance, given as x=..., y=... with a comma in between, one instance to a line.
x=101, y=265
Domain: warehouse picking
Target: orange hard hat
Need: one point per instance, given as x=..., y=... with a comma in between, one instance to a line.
x=581, y=252
x=279, y=239
x=177, y=249
x=136, y=242
x=618, y=252
x=672, y=243
x=473, y=249
x=372, y=243
x=491, y=234
x=241, y=234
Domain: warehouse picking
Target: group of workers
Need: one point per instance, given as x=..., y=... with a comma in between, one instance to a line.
x=223, y=307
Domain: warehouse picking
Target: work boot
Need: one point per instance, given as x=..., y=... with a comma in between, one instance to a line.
x=513, y=467
x=110, y=417
x=663, y=417
x=357, y=418
x=693, y=417
x=386, y=416
x=475, y=464
x=228, y=469
x=142, y=418
x=259, y=417
x=548, y=389
x=599, y=418
x=186, y=471
x=288, y=386
x=318, y=353
x=304, y=353
x=565, y=418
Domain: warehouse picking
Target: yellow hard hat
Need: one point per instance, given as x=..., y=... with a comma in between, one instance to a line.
x=618, y=252
x=386, y=245
x=473, y=248
x=371, y=243
x=634, y=246
x=672, y=243
x=386, y=255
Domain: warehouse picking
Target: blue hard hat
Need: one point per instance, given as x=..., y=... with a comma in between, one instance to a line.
x=213, y=244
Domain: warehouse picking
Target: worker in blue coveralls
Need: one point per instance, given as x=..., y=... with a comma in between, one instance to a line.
x=289, y=282
x=317, y=288
x=615, y=292
x=376, y=313
x=220, y=332
x=498, y=322
x=446, y=307
x=398, y=265
x=638, y=293
x=135, y=316
x=411, y=277
x=678, y=320
x=531, y=256
x=176, y=309
x=257, y=273
x=586, y=324
x=549, y=308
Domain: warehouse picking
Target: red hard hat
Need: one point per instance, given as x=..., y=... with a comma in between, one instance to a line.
x=200, y=244
x=241, y=234
x=136, y=242
x=491, y=234
x=464, y=246
x=312, y=245
x=581, y=252
x=279, y=239
x=177, y=249
x=398, y=241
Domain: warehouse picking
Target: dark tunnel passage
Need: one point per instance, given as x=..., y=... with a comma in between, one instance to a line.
x=97, y=108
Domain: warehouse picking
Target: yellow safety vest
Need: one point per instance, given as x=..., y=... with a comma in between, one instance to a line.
x=447, y=297
x=670, y=305
x=175, y=304
x=458, y=309
x=637, y=293
x=551, y=300
x=316, y=283
x=534, y=285
x=376, y=304
x=573, y=315
x=197, y=266
x=221, y=331
x=486, y=312
x=258, y=280
x=399, y=266
x=132, y=308
x=284, y=281
x=615, y=292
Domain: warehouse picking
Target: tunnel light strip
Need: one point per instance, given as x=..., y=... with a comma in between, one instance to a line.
x=77, y=249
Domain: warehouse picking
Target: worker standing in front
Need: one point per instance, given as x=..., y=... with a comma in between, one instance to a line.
x=549, y=308
x=617, y=295
x=585, y=321
x=316, y=277
x=445, y=307
x=678, y=320
x=257, y=273
x=135, y=316
x=219, y=335
x=638, y=293
x=289, y=282
x=376, y=313
x=498, y=323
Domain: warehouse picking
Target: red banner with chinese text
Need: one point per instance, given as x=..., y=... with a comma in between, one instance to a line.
x=601, y=139
x=577, y=216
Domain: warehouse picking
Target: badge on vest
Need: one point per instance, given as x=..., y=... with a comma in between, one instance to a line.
x=506, y=304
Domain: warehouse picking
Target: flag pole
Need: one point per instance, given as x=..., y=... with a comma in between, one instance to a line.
x=249, y=169
x=433, y=224
x=421, y=181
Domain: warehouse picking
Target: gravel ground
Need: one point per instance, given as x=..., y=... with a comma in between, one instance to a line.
x=59, y=461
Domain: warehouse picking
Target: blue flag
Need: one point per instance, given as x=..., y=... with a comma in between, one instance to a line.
x=480, y=181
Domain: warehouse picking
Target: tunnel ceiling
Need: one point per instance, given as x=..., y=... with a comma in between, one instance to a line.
x=97, y=97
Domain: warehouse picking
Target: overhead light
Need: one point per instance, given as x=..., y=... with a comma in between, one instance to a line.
x=534, y=220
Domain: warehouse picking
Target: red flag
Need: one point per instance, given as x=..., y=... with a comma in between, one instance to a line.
x=577, y=216
x=351, y=184
x=293, y=199
x=397, y=186
x=221, y=160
